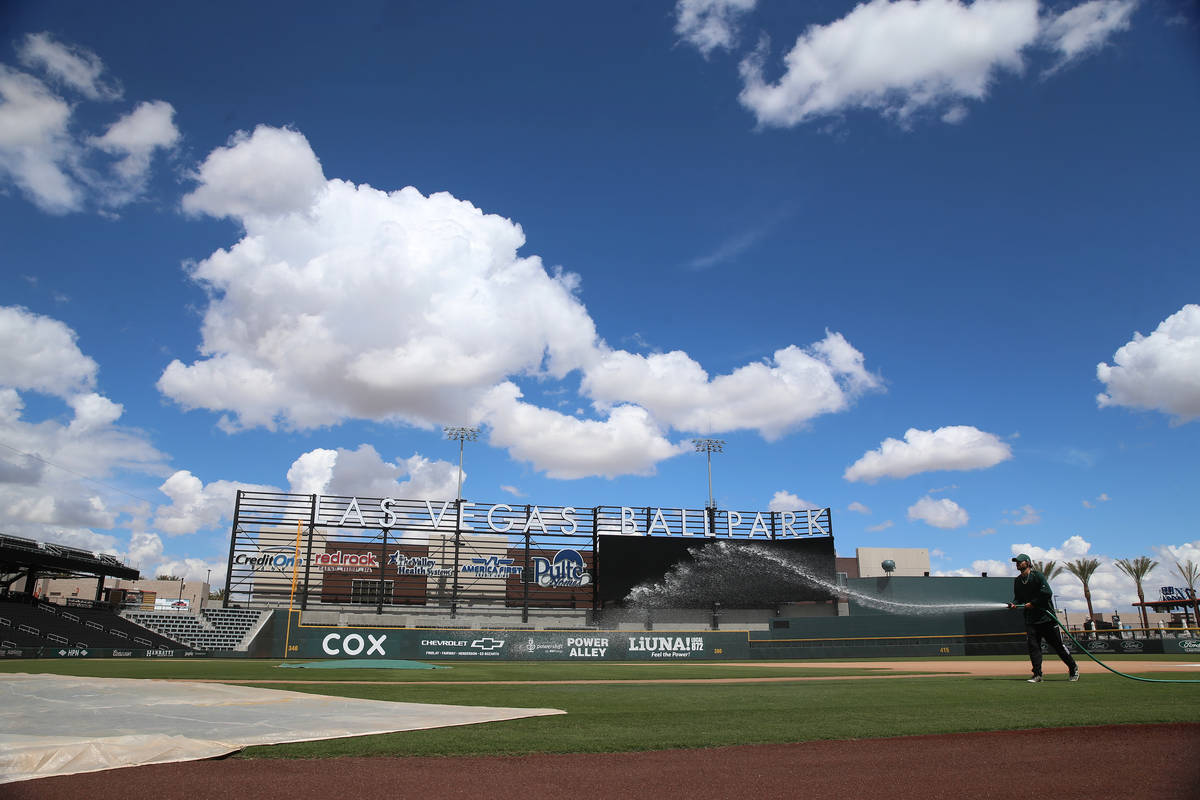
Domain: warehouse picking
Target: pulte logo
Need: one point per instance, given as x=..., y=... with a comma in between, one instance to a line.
x=567, y=568
x=352, y=644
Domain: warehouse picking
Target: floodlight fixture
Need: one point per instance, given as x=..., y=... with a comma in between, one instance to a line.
x=460, y=434
x=708, y=447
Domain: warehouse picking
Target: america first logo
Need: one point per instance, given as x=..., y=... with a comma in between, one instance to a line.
x=567, y=568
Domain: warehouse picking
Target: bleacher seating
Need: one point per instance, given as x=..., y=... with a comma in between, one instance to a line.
x=134, y=635
x=213, y=629
x=42, y=624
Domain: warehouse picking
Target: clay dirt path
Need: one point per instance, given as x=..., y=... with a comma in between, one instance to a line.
x=1121, y=761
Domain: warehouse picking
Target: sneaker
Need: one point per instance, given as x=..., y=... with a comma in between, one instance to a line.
x=1035, y=679
x=1074, y=676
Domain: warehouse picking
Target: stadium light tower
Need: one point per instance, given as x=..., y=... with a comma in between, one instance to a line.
x=708, y=447
x=460, y=435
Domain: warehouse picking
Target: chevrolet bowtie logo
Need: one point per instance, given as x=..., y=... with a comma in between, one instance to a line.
x=488, y=644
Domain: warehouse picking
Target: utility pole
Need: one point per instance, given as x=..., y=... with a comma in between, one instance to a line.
x=460, y=435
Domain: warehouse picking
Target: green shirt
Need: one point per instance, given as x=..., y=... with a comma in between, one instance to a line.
x=1033, y=588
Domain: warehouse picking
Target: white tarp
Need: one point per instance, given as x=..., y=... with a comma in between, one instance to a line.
x=60, y=725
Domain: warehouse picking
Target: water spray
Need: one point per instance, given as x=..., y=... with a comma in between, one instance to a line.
x=702, y=581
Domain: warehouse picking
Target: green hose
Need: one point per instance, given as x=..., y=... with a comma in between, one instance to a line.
x=1110, y=669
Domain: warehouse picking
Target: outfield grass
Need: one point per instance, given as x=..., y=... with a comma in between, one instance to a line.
x=652, y=717
x=626, y=717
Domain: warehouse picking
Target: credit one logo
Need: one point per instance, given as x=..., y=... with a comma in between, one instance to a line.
x=566, y=569
x=277, y=560
x=352, y=644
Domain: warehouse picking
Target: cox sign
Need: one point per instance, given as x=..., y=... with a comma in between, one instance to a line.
x=353, y=644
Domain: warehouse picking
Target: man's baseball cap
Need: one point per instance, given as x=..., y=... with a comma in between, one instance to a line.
x=1022, y=557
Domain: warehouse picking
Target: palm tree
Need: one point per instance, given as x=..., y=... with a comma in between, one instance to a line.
x=1190, y=572
x=1050, y=569
x=1137, y=569
x=1084, y=568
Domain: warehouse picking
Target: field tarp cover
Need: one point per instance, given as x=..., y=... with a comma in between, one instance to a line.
x=61, y=725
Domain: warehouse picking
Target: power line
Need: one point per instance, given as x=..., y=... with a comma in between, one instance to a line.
x=76, y=474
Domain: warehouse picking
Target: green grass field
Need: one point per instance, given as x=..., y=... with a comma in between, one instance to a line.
x=625, y=717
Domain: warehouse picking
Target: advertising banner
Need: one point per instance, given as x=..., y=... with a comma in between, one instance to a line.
x=54, y=651
x=514, y=645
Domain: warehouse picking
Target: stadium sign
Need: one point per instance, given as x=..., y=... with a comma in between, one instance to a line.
x=566, y=569
x=275, y=559
x=417, y=565
x=353, y=644
x=470, y=517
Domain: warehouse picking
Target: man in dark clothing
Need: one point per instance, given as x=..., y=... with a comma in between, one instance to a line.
x=1031, y=593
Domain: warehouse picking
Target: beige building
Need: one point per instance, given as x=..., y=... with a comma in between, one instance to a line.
x=150, y=595
x=910, y=562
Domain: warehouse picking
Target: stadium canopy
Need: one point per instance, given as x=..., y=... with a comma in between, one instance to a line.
x=26, y=558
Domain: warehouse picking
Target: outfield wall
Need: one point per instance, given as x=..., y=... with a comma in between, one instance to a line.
x=804, y=637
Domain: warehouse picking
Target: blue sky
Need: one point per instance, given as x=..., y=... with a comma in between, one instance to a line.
x=930, y=264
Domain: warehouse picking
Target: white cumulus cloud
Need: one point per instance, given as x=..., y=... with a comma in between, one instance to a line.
x=1159, y=372
x=36, y=150
x=1087, y=26
x=363, y=472
x=61, y=170
x=197, y=506
x=76, y=67
x=957, y=447
x=628, y=441
x=710, y=24
x=773, y=397
x=134, y=139
x=786, y=501
x=40, y=353
x=901, y=57
x=943, y=513
x=53, y=473
x=268, y=173
x=343, y=301
x=893, y=57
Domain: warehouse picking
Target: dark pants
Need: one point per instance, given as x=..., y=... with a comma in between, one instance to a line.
x=1047, y=631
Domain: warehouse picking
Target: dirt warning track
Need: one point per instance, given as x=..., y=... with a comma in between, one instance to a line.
x=1155, y=761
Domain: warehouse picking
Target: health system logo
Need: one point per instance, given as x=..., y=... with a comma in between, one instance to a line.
x=567, y=568
x=417, y=565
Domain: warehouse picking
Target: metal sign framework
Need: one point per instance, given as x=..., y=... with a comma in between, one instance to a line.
x=387, y=552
